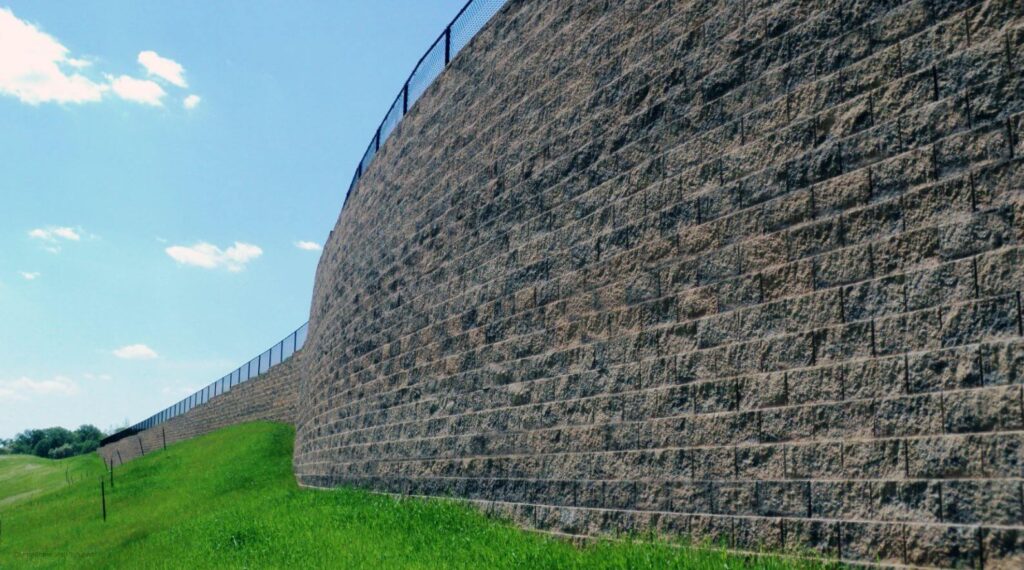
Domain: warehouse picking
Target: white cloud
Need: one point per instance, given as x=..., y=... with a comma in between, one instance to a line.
x=29, y=275
x=67, y=233
x=34, y=66
x=52, y=234
x=135, y=352
x=186, y=391
x=308, y=245
x=209, y=256
x=91, y=376
x=137, y=90
x=24, y=388
x=166, y=69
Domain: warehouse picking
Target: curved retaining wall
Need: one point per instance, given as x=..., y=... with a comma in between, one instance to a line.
x=271, y=396
x=744, y=270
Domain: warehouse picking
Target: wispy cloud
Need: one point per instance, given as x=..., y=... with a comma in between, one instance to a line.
x=54, y=233
x=164, y=68
x=135, y=352
x=186, y=391
x=308, y=245
x=36, y=68
x=52, y=236
x=91, y=376
x=141, y=91
x=25, y=388
x=209, y=256
x=29, y=275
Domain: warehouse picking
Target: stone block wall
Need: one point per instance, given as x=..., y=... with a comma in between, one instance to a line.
x=746, y=270
x=271, y=396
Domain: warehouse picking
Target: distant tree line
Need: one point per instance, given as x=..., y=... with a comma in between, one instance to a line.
x=53, y=443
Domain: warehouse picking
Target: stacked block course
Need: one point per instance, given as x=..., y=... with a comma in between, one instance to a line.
x=741, y=270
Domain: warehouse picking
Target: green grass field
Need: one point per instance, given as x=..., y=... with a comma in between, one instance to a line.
x=23, y=477
x=229, y=500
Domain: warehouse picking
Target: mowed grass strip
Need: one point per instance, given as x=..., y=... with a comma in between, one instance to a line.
x=229, y=500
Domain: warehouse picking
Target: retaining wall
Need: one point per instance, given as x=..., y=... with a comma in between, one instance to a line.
x=744, y=270
x=270, y=396
x=740, y=270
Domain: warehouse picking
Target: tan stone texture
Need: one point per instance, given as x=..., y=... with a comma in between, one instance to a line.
x=744, y=270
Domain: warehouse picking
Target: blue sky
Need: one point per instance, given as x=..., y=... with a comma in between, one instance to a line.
x=161, y=166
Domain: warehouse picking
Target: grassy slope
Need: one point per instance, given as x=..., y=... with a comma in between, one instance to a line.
x=23, y=477
x=229, y=500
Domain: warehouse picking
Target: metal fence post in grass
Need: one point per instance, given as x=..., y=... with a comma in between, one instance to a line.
x=163, y=432
x=103, y=498
x=142, y=449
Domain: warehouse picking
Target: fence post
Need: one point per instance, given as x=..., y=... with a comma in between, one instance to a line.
x=447, y=45
x=405, y=109
x=140, y=446
x=163, y=431
x=376, y=140
x=103, y=499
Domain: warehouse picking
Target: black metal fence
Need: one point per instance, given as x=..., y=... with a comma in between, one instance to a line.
x=470, y=19
x=261, y=364
x=473, y=16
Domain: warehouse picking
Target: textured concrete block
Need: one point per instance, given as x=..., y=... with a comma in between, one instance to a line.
x=759, y=284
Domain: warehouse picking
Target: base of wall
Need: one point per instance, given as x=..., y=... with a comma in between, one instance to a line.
x=864, y=543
